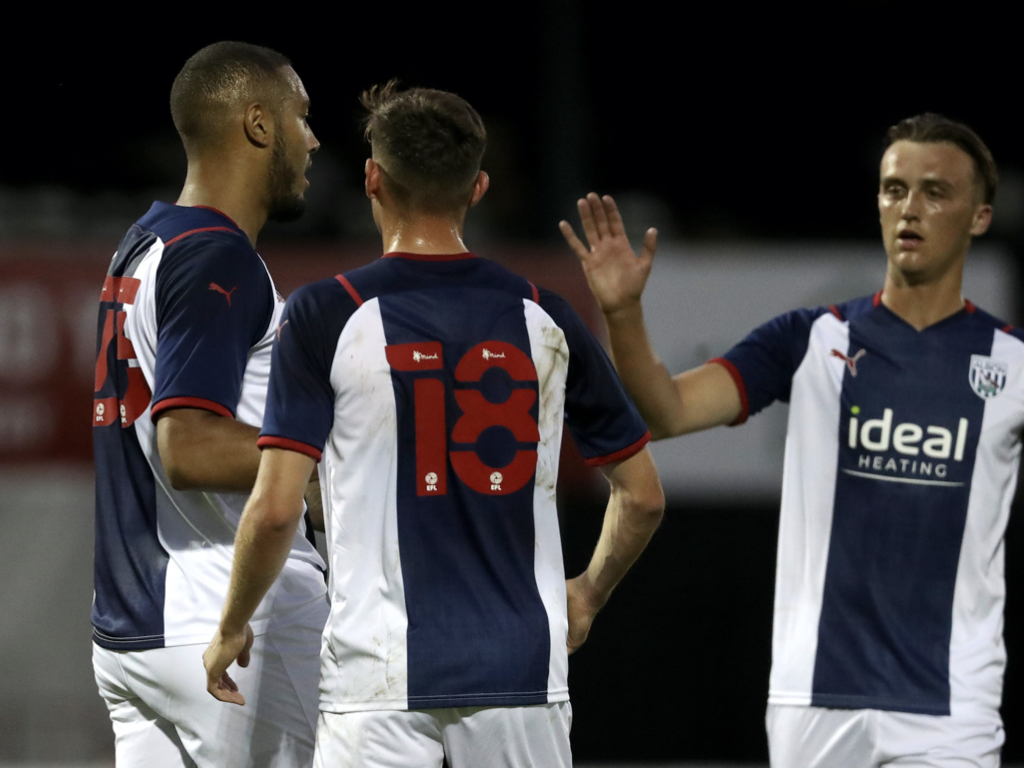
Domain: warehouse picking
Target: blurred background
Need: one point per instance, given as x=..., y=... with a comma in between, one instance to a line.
x=750, y=138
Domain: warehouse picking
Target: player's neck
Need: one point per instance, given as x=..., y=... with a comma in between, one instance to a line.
x=422, y=234
x=923, y=304
x=233, y=194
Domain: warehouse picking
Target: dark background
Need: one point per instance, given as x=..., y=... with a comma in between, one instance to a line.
x=734, y=124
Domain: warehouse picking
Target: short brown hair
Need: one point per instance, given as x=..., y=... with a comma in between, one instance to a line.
x=218, y=79
x=429, y=143
x=931, y=128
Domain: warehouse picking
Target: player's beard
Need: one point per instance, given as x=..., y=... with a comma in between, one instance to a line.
x=285, y=203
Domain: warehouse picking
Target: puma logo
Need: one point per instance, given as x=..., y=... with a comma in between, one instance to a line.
x=851, y=362
x=227, y=294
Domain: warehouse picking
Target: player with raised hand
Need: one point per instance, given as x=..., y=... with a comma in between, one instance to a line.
x=187, y=320
x=906, y=411
x=432, y=386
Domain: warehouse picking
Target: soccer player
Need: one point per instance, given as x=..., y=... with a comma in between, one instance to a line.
x=187, y=319
x=906, y=410
x=432, y=385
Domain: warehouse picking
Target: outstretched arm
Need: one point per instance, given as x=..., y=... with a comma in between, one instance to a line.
x=635, y=508
x=697, y=399
x=264, y=539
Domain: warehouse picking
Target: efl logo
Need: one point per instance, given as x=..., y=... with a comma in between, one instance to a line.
x=987, y=376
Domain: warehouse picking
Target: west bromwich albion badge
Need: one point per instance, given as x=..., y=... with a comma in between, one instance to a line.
x=987, y=376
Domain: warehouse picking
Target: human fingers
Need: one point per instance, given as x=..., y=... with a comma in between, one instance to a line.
x=587, y=220
x=611, y=212
x=570, y=237
x=597, y=210
x=650, y=244
x=225, y=689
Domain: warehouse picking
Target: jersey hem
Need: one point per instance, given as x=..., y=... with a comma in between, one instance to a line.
x=847, y=701
x=444, y=701
x=621, y=455
x=189, y=402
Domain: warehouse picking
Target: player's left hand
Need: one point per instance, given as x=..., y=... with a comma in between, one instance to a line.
x=222, y=651
x=581, y=613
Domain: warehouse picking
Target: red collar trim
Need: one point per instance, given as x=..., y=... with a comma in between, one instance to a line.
x=429, y=256
x=877, y=300
x=969, y=306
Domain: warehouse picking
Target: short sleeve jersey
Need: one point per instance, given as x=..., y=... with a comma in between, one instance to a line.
x=434, y=391
x=900, y=467
x=187, y=319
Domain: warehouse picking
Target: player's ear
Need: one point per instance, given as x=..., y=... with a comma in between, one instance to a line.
x=258, y=125
x=982, y=219
x=372, y=184
x=483, y=181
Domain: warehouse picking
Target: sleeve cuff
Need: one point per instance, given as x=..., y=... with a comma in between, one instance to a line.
x=740, y=387
x=270, y=441
x=625, y=453
x=189, y=402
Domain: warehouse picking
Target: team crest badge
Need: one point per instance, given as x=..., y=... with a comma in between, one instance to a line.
x=987, y=376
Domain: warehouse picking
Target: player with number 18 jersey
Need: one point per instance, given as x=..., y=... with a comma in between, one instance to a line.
x=432, y=389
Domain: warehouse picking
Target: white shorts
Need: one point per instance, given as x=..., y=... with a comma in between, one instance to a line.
x=163, y=717
x=815, y=737
x=469, y=737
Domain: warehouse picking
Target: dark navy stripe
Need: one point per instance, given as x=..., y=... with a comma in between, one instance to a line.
x=886, y=618
x=478, y=631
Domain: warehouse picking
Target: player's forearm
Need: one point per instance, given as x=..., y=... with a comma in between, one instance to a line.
x=203, y=451
x=635, y=509
x=646, y=378
x=264, y=539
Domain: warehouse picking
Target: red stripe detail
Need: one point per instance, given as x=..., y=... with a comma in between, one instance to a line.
x=877, y=299
x=101, y=361
x=105, y=411
x=969, y=306
x=120, y=289
x=107, y=294
x=351, y=291
x=431, y=440
x=625, y=453
x=127, y=289
x=430, y=256
x=536, y=293
x=402, y=357
x=269, y=441
x=738, y=381
x=1007, y=328
x=835, y=311
x=194, y=231
x=215, y=210
x=190, y=402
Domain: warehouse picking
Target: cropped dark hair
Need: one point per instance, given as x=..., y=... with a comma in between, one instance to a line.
x=430, y=144
x=930, y=128
x=217, y=79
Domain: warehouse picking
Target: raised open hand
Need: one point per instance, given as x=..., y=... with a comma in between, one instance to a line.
x=615, y=274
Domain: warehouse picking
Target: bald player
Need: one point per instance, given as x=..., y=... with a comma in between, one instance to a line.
x=187, y=318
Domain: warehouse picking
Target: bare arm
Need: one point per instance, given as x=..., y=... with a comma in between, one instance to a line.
x=201, y=450
x=698, y=399
x=262, y=544
x=635, y=508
